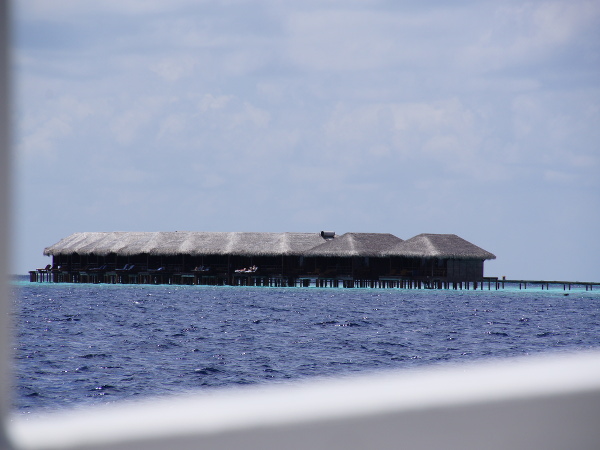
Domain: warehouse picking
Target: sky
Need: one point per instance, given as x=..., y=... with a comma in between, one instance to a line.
x=477, y=118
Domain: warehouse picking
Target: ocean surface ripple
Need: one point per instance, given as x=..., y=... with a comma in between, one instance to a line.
x=78, y=344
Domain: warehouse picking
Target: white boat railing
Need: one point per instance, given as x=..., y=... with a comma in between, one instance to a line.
x=542, y=402
x=5, y=173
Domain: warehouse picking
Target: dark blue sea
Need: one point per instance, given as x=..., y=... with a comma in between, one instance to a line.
x=82, y=344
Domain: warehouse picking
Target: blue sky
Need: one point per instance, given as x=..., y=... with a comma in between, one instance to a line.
x=475, y=118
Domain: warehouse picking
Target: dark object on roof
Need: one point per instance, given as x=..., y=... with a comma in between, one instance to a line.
x=328, y=234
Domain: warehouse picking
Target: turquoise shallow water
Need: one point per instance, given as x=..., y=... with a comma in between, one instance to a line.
x=78, y=344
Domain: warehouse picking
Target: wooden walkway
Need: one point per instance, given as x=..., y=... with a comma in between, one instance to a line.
x=539, y=284
x=278, y=280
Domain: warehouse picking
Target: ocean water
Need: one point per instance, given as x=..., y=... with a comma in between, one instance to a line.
x=81, y=344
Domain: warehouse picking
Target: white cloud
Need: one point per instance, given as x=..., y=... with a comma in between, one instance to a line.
x=57, y=9
x=214, y=102
x=171, y=126
x=174, y=69
x=42, y=130
x=340, y=40
x=559, y=176
x=525, y=33
x=42, y=140
x=207, y=177
x=584, y=161
x=444, y=133
x=128, y=125
x=252, y=115
x=126, y=176
x=555, y=129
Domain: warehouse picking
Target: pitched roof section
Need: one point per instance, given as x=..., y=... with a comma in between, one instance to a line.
x=356, y=244
x=445, y=246
x=185, y=242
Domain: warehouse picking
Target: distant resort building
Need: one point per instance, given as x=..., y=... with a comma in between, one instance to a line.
x=265, y=259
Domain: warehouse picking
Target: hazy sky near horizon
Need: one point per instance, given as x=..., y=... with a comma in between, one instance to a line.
x=478, y=118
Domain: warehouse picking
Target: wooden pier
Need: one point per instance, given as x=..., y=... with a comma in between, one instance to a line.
x=539, y=284
x=50, y=275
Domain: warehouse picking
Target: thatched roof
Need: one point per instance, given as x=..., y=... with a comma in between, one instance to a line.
x=443, y=246
x=355, y=244
x=266, y=244
x=185, y=242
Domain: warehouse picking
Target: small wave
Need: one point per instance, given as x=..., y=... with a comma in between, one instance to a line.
x=104, y=387
x=545, y=334
x=167, y=345
x=327, y=322
x=207, y=371
x=94, y=355
x=71, y=318
x=268, y=368
x=391, y=344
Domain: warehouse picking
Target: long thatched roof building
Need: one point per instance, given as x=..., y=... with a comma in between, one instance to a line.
x=291, y=256
x=192, y=243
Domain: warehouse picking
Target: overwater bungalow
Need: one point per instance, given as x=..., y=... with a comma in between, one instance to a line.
x=445, y=257
x=263, y=259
